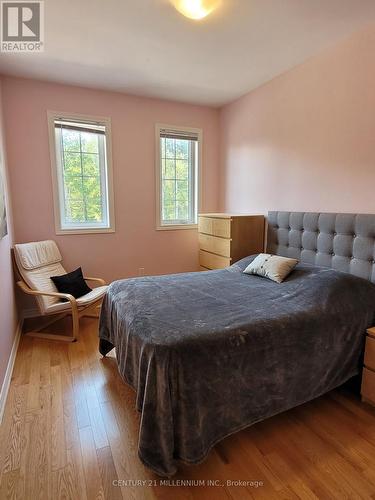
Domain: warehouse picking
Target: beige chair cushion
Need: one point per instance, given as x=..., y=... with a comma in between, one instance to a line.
x=85, y=300
x=40, y=279
x=274, y=267
x=37, y=262
x=37, y=254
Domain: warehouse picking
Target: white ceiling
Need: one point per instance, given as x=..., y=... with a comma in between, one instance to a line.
x=146, y=47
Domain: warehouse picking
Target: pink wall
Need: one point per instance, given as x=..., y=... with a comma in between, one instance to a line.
x=8, y=317
x=305, y=140
x=135, y=243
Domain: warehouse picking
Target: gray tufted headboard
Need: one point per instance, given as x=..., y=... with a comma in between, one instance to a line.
x=345, y=242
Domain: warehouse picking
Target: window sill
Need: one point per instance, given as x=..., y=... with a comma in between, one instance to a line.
x=174, y=227
x=85, y=231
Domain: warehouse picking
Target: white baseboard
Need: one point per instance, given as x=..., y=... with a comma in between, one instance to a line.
x=9, y=370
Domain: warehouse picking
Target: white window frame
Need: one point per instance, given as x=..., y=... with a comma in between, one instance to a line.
x=52, y=116
x=159, y=127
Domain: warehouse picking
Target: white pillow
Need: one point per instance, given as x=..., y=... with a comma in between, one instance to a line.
x=274, y=267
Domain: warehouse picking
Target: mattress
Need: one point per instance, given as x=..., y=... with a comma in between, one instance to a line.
x=211, y=353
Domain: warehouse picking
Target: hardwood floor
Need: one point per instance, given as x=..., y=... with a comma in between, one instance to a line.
x=70, y=431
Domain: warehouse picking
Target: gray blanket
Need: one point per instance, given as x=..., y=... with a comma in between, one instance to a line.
x=213, y=352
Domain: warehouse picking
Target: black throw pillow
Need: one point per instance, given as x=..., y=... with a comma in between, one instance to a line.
x=72, y=283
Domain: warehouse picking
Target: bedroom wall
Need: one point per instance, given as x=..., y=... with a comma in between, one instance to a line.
x=136, y=243
x=8, y=317
x=305, y=140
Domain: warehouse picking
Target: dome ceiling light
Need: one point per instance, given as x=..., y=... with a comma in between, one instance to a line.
x=195, y=9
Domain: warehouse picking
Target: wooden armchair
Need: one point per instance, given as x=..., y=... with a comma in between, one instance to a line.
x=35, y=263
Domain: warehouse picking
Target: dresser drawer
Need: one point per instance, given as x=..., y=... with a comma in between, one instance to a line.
x=212, y=261
x=368, y=385
x=370, y=353
x=214, y=226
x=213, y=244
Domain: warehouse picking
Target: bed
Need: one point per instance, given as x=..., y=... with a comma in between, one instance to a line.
x=211, y=353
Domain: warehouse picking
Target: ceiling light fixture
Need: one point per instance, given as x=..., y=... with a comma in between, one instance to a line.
x=195, y=9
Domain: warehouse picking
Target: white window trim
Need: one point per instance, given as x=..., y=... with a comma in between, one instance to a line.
x=55, y=115
x=158, y=128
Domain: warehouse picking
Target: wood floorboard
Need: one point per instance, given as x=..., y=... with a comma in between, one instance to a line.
x=70, y=431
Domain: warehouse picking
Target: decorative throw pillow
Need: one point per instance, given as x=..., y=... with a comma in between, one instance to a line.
x=274, y=267
x=72, y=283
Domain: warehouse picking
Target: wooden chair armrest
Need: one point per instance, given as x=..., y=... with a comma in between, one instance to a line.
x=99, y=280
x=30, y=291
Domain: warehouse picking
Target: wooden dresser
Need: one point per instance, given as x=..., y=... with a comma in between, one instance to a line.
x=226, y=238
x=368, y=375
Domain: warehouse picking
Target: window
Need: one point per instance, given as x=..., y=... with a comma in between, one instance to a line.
x=178, y=155
x=81, y=173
